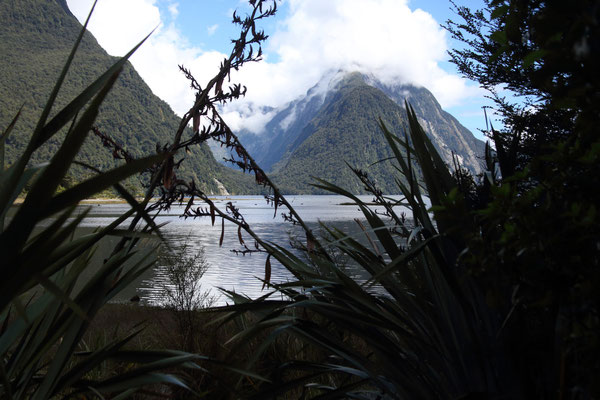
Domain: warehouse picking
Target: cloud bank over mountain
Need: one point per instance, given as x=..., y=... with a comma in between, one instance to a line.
x=312, y=37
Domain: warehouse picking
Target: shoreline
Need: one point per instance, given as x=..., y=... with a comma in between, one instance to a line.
x=94, y=200
x=103, y=200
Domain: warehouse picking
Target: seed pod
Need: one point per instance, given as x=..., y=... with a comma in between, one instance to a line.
x=240, y=235
x=222, y=232
x=196, y=121
x=267, y=272
x=310, y=244
x=169, y=175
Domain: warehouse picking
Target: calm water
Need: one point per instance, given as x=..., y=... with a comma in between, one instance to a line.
x=228, y=270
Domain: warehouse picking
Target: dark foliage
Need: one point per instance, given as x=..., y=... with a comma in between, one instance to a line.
x=50, y=289
x=543, y=52
x=536, y=250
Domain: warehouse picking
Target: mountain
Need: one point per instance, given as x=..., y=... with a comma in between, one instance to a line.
x=337, y=122
x=36, y=37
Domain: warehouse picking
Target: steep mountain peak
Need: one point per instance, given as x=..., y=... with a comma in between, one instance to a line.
x=345, y=80
x=333, y=81
x=297, y=121
x=448, y=135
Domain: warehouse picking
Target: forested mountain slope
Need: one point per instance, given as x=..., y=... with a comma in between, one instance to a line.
x=329, y=129
x=36, y=37
x=346, y=130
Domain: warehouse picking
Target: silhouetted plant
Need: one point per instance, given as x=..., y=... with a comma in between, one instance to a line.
x=46, y=304
x=536, y=250
x=425, y=333
x=207, y=123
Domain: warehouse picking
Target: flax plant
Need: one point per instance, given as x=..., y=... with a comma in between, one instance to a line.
x=46, y=304
x=417, y=328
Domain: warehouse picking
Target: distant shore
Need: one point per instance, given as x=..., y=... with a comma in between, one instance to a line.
x=99, y=200
x=103, y=200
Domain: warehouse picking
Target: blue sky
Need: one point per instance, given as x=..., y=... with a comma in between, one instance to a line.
x=397, y=40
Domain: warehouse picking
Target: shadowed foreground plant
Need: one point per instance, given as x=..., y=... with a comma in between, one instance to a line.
x=418, y=328
x=485, y=294
x=45, y=303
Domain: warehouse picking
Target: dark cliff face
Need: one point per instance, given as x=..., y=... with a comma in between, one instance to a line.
x=337, y=123
x=36, y=37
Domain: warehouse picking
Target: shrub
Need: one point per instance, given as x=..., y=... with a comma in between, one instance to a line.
x=182, y=292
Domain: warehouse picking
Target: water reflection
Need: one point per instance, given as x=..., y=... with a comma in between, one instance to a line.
x=229, y=270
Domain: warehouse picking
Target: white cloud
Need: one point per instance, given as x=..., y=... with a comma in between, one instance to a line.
x=383, y=37
x=119, y=25
x=174, y=10
x=158, y=64
x=212, y=29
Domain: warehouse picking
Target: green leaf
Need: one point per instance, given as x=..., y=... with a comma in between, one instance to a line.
x=70, y=251
x=499, y=11
x=533, y=56
x=52, y=98
x=52, y=288
x=94, y=359
x=499, y=37
x=32, y=208
x=137, y=207
x=146, y=262
x=3, y=138
x=15, y=191
x=32, y=259
x=134, y=381
x=70, y=111
x=403, y=259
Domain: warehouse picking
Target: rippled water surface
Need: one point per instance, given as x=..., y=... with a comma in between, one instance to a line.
x=226, y=269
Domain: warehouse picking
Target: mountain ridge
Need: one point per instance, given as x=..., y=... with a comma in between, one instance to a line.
x=430, y=117
x=325, y=108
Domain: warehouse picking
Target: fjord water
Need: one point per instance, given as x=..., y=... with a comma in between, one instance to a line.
x=227, y=269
